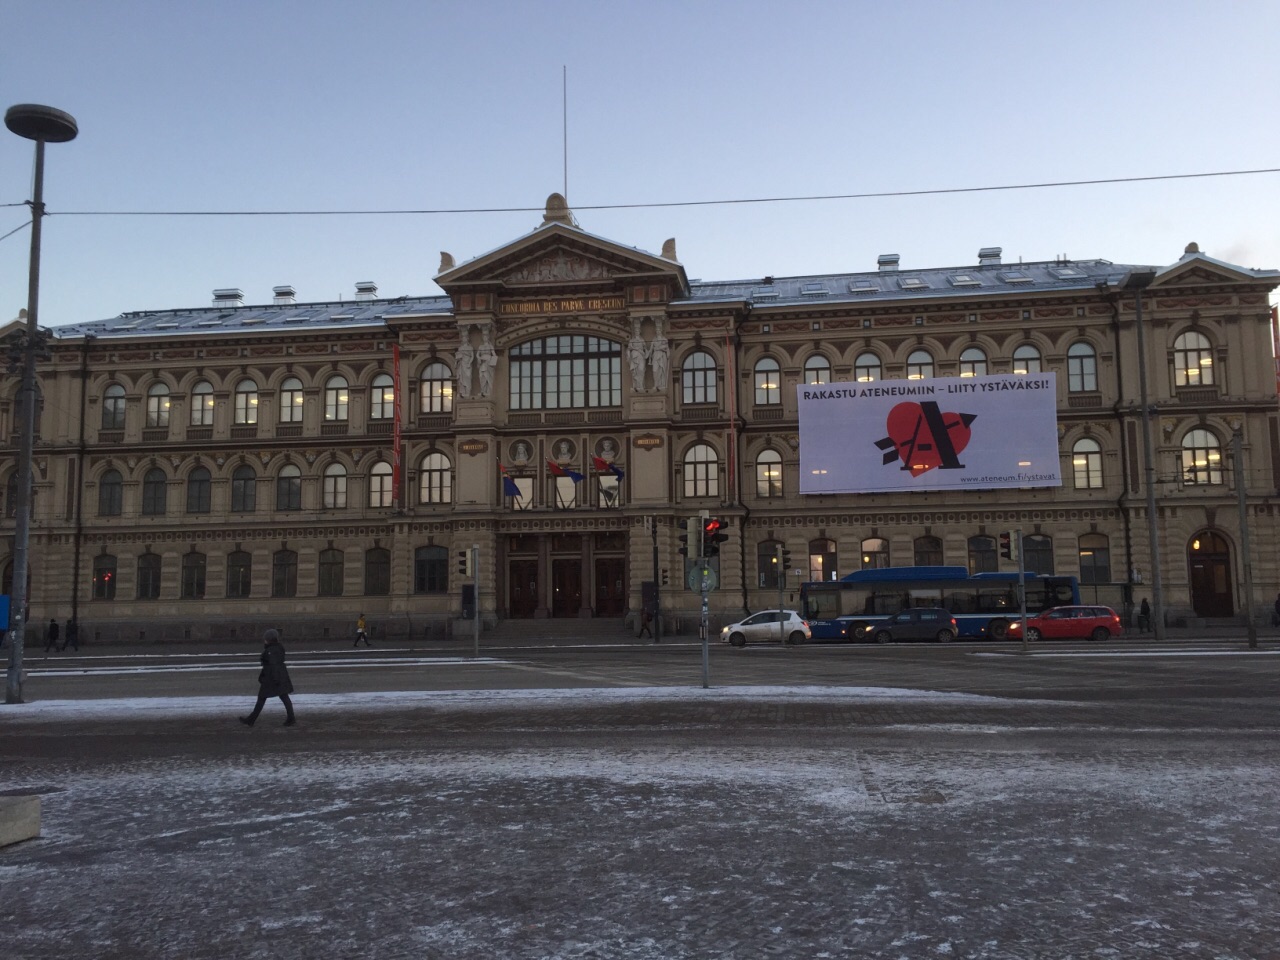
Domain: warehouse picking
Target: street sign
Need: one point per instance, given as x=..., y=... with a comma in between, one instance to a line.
x=696, y=574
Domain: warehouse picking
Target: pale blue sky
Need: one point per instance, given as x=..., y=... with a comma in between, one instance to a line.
x=307, y=104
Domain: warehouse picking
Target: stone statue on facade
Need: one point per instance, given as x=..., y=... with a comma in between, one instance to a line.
x=659, y=357
x=463, y=362
x=486, y=364
x=637, y=357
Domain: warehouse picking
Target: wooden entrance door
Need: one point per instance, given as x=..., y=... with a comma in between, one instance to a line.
x=610, y=590
x=566, y=588
x=1209, y=560
x=522, y=588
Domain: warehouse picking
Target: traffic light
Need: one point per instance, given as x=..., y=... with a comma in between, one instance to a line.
x=1009, y=544
x=666, y=579
x=786, y=559
x=691, y=539
x=464, y=563
x=712, y=536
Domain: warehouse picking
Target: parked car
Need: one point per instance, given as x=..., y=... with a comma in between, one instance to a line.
x=1057, y=623
x=919, y=623
x=766, y=626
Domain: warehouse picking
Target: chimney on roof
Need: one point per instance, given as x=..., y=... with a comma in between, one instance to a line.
x=228, y=297
x=366, y=290
x=284, y=294
x=887, y=262
x=989, y=256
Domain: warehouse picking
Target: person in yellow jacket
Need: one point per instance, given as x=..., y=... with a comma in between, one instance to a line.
x=361, y=633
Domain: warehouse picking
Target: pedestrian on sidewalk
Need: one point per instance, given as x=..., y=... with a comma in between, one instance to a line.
x=273, y=680
x=362, y=633
x=51, y=635
x=1144, y=616
x=646, y=617
x=73, y=636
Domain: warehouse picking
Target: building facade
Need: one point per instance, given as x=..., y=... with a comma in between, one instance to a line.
x=572, y=401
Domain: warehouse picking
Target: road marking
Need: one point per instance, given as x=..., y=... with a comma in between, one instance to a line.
x=1138, y=653
x=96, y=671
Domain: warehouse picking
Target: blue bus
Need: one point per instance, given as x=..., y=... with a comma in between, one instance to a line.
x=983, y=604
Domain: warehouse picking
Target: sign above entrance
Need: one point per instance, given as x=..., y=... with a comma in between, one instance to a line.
x=552, y=305
x=472, y=447
x=647, y=441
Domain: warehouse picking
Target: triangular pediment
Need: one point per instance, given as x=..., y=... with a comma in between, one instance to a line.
x=1198, y=269
x=558, y=255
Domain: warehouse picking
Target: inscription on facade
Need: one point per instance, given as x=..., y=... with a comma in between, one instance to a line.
x=473, y=447
x=555, y=305
x=647, y=441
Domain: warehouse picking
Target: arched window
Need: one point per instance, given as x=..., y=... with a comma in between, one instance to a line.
x=199, y=488
x=565, y=371
x=920, y=365
x=1095, y=559
x=289, y=488
x=337, y=396
x=332, y=571
x=148, y=587
x=1086, y=464
x=377, y=572
x=1026, y=359
x=193, y=570
x=1082, y=368
x=113, y=405
x=701, y=472
x=291, y=400
x=431, y=570
x=158, y=406
x=928, y=552
x=284, y=573
x=202, y=404
x=239, y=574
x=382, y=398
x=973, y=362
x=435, y=392
x=1037, y=553
x=246, y=402
x=244, y=489
x=698, y=378
x=380, y=485
x=155, y=487
x=768, y=379
x=866, y=368
x=435, y=479
x=1192, y=360
x=875, y=553
x=334, y=487
x=822, y=560
x=104, y=577
x=982, y=555
x=110, y=494
x=1201, y=458
x=769, y=474
x=772, y=575
x=817, y=369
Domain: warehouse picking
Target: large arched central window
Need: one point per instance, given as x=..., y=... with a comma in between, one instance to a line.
x=566, y=371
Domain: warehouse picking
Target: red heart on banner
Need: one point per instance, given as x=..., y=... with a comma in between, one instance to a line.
x=909, y=430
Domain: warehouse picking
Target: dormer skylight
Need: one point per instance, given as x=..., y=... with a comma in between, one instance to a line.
x=964, y=280
x=1016, y=276
x=1068, y=273
x=913, y=283
x=863, y=286
x=764, y=293
x=814, y=290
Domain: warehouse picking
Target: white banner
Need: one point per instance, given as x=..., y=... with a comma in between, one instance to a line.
x=955, y=433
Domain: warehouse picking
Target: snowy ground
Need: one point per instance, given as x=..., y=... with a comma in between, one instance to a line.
x=637, y=824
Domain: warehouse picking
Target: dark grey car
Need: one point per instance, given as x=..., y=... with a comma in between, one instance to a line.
x=921, y=623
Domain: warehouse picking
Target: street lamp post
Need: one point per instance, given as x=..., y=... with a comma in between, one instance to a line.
x=1137, y=281
x=1246, y=555
x=43, y=125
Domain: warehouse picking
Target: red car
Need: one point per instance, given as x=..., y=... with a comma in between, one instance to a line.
x=1056, y=623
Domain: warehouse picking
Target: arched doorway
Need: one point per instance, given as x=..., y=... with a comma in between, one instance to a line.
x=1209, y=561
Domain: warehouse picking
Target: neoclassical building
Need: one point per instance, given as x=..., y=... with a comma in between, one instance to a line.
x=571, y=401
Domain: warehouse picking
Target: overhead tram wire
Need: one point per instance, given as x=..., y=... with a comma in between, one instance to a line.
x=15, y=230
x=663, y=204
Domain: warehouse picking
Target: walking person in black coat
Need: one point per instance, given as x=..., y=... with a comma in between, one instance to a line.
x=273, y=680
x=51, y=635
x=73, y=636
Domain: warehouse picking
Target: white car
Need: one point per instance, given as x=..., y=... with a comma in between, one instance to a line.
x=767, y=626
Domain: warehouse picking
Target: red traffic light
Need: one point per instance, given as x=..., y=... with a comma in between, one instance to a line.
x=711, y=526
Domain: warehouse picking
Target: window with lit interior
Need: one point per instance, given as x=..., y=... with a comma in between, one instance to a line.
x=768, y=382
x=1192, y=360
x=1082, y=368
x=1026, y=359
x=291, y=400
x=817, y=369
x=337, y=399
x=565, y=372
x=973, y=362
x=202, y=404
x=382, y=398
x=158, y=406
x=920, y=365
x=769, y=474
x=867, y=369
x=435, y=479
x=246, y=403
x=698, y=378
x=1201, y=458
x=1086, y=464
x=435, y=390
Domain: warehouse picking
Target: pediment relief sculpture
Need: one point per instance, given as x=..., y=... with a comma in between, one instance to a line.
x=560, y=265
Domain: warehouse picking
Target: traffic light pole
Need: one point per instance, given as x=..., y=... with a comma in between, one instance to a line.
x=704, y=576
x=782, y=589
x=1022, y=588
x=475, y=578
x=657, y=585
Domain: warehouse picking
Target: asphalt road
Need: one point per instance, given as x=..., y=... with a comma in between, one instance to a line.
x=595, y=802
